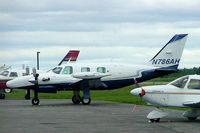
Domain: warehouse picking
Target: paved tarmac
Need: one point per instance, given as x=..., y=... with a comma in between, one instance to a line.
x=61, y=116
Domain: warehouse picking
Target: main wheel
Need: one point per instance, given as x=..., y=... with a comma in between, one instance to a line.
x=2, y=96
x=151, y=120
x=7, y=90
x=35, y=101
x=76, y=99
x=192, y=118
x=86, y=101
x=157, y=120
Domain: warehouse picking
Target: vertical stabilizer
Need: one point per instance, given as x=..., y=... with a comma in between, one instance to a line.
x=170, y=55
x=71, y=56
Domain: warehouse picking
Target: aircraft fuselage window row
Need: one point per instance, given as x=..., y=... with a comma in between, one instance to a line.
x=5, y=73
x=12, y=74
x=69, y=70
x=194, y=84
x=85, y=69
x=180, y=83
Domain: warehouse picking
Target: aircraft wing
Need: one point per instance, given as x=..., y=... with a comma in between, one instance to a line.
x=90, y=75
x=90, y=79
x=192, y=104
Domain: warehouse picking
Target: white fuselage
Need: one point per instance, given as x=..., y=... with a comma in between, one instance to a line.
x=171, y=95
x=115, y=72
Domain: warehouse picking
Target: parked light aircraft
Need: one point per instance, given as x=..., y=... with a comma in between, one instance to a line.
x=182, y=92
x=87, y=76
x=4, y=67
x=9, y=74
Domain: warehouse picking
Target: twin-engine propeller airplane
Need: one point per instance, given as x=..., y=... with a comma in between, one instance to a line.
x=9, y=73
x=102, y=76
x=182, y=92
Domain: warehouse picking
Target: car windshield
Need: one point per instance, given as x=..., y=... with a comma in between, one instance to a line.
x=180, y=82
x=4, y=73
x=57, y=70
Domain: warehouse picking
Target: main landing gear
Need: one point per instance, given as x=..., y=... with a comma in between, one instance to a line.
x=154, y=120
x=76, y=99
x=156, y=115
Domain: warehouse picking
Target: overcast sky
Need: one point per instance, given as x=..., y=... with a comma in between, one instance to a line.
x=130, y=31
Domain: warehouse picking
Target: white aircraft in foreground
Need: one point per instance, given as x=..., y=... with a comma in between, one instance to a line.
x=102, y=76
x=9, y=73
x=182, y=92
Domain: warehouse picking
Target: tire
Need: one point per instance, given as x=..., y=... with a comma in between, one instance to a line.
x=151, y=120
x=8, y=90
x=76, y=99
x=192, y=118
x=2, y=96
x=157, y=120
x=86, y=101
x=35, y=101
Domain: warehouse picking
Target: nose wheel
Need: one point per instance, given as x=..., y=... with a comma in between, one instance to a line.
x=35, y=101
x=7, y=90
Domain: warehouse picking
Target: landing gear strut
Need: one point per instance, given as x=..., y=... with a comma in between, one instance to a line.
x=35, y=100
x=27, y=96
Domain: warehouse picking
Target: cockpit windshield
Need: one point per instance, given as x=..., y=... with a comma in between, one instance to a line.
x=4, y=73
x=57, y=70
x=180, y=82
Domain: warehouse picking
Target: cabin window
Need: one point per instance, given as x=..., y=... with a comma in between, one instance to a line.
x=13, y=74
x=4, y=73
x=194, y=84
x=57, y=70
x=180, y=82
x=101, y=69
x=67, y=70
x=85, y=69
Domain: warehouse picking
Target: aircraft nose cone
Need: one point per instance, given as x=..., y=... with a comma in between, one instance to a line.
x=136, y=91
x=10, y=84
